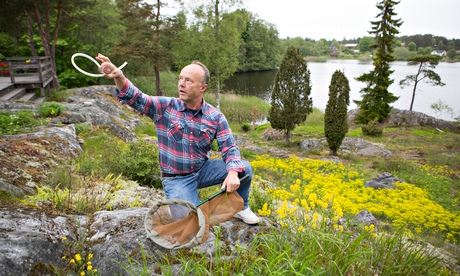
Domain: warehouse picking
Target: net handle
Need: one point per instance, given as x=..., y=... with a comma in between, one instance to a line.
x=219, y=192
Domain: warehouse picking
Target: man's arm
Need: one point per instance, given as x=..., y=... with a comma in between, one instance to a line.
x=131, y=95
x=230, y=154
x=111, y=71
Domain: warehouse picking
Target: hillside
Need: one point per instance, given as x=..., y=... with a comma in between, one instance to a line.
x=384, y=205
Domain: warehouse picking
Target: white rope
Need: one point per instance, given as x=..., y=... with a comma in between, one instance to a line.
x=94, y=61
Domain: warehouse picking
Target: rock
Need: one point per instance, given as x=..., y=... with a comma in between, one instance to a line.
x=313, y=144
x=357, y=146
x=383, y=181
x=362, y=147
x=366, y=217
x=271, y=134
x=29, y=239
x=406, y=118
x=11, y=189
x=27, y=159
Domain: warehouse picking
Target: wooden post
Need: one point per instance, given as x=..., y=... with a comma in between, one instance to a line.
x=10, y=67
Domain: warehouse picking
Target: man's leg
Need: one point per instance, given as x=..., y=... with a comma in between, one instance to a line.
x=214, y=172
x=182, y=187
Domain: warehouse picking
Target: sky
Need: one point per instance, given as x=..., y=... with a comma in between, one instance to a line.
x=338, y=19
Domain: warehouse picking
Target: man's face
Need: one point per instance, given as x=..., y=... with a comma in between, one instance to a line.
x=191, y=84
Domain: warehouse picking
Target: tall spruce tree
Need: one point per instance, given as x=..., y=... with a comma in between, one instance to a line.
x=290, y=101
x=335, y=118
x=375, y=104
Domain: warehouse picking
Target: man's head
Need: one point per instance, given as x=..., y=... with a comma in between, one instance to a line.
x=193, y=82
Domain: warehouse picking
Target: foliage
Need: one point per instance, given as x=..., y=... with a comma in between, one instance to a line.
x=260, y=49
x=365, y=44
x=140, y=163
x=290, y=101
x=412, y=46
x=241, y=109
x=221, y=34
x=376, y=100
x=50, y=109
x=425, y=73
x=19, y=122
x=310, y=186
x=70, y=78
x=372, y=128
x=439, y=108
x=245, y=127
x=335, y=117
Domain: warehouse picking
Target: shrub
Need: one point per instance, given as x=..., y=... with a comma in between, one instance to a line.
x=372, y=128
x=140, y=163
x=335, y=125
x=245, y=127
x=70, y=78
x=291, y=101
x=51, y=109
x=13, y=123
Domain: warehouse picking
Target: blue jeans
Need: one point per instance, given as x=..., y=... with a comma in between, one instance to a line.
x=212, y=173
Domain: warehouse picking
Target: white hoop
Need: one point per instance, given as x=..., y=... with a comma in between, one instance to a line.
x=94, y=61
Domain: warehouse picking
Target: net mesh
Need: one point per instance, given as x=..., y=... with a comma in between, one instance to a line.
x=176, y=223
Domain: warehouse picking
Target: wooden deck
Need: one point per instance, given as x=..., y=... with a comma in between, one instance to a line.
x=26, y=74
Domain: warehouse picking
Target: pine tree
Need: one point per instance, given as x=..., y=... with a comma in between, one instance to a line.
x=335, y=118
x=290, y=101
x=375, y=104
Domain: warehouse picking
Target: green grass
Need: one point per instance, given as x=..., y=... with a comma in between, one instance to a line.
x=314, y=252
x=19, y=122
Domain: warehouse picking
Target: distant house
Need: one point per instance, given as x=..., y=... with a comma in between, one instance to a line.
x=441, y=53
x=353, y=47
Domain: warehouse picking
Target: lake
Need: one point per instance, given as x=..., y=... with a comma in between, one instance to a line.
x=259, y=84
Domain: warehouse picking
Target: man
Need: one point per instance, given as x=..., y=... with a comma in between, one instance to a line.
x=186, y=127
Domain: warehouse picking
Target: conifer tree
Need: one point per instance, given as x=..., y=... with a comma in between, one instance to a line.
x=375, y=104
x=290, y=101
x=335, y=118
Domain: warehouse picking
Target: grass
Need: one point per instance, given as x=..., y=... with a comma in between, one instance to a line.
x=314, y=252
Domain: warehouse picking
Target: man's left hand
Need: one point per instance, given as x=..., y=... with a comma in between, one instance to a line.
x=232, y=182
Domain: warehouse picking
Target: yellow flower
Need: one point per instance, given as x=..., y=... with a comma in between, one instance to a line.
x=300, y=228
x=264, y=211
x=72, y=261
x=89, y=267
x=77, y=257
x=82, y=273
x=90, y=256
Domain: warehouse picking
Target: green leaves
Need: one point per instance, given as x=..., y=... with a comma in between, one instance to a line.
x=335, y=118
x=290, y=103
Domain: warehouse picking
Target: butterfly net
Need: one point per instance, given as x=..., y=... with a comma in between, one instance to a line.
x=175, y=223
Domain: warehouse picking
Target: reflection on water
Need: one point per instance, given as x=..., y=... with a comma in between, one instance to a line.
x=252, y=83
x=259, y=84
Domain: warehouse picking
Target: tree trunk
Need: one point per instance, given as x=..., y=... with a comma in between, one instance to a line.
x=156, y=55
x=157, y=80
x=216, y=34
x=43, y=28
x=415, y=86
x=30, y=32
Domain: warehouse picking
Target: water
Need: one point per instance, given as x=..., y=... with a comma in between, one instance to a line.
x=259, y=84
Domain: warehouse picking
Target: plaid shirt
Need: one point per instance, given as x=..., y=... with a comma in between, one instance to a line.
x=184, y=135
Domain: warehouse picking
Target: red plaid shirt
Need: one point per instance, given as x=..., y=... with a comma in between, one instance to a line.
x=184, y=135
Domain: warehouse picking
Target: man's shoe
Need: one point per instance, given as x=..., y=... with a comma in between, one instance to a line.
x=247, y=216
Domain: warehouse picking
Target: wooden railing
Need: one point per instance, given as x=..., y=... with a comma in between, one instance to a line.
x=35, y=71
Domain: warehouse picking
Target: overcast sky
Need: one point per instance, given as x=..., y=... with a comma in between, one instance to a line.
x=351, y=18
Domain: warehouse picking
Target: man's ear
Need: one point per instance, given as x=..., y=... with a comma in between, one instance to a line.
x=204, y=87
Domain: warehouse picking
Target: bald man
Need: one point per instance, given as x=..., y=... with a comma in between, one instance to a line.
x=186, y=127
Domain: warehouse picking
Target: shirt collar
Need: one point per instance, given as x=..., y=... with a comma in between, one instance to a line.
x=204, y=107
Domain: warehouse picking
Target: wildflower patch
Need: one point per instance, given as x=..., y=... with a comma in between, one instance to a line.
x=312, y=187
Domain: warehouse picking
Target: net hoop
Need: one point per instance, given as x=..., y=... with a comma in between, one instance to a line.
x=94, y=61
x=155, y=237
